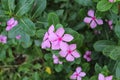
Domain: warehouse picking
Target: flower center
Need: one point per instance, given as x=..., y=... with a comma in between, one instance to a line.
x=77, y=74
x=93, y=18
x=60, y=39
x=88, y=55
x=69, y=51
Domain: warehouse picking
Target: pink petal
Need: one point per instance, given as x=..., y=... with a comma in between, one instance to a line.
x=54, y=57
x=55, y=61
x=45, y=44
x=52, y=37
x=88, y=52
x=87, y=20
x=72, y=47
x=69, y=58
x=15, y=23
x=99, y=21
x=111, y=27
x=85, y=56
x=93, y=24
x=110, y=22
x=75, y=54
x=88, y=59
x=60, y=32
x=8, y=28
x=111, y=1
x=45, y=36
x=67, y=37
x=79, y=78
x=101, y=77
x=60, y=62
x=63, y=53
x=10, y=21
x=109, y=78
x=63, y=46
x=91, y=13
x=82, y=74
x=55, y=46
x=78, y=69
x=51, y=29
x=73, y=76
x=18, y=37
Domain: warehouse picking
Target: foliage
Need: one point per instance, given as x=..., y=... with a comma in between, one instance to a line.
x=23, y=58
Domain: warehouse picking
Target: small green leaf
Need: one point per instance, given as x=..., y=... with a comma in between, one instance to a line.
x=115, y=53
x=97, y=68
x=117, y=29
x=84, y=2
x=8, y=5
x=118, y=71
x=101, y=44
x=58, y=68
x=53, y=19
x=40, y=5
x=23, y=7
x=104, y=5
x=28, y=26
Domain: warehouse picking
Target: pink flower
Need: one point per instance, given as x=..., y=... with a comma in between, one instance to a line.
x=59, y=39
x=78, y=74
x=18, y=37
x=102, y=77
x=46, y=42
x=56, y=60
x=87, y=55
x=92, y=20
x=11, y=23
x=3, y=39
x=70, y=52
x=110, y=22
x=111, y=1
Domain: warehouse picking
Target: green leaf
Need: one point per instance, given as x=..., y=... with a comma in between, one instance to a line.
x=28, y=26
x=115, y=8
x=8, y=5
x=36, y=76
x=106, y=51
x=40, y=6
x=23, y=7
x=25, y=38
x=38, y=51
x=40, y=33
x=97, y=68
x=58, y=68
x=115, y=53
x=2, y=54
x=101, y=44
x=117, y=29
x=118, y=71
x=104, y=5
x=53, y=19
x=84, y=2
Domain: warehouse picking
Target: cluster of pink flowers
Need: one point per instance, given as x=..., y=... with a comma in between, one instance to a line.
x=57, y=40
x=10, y=24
